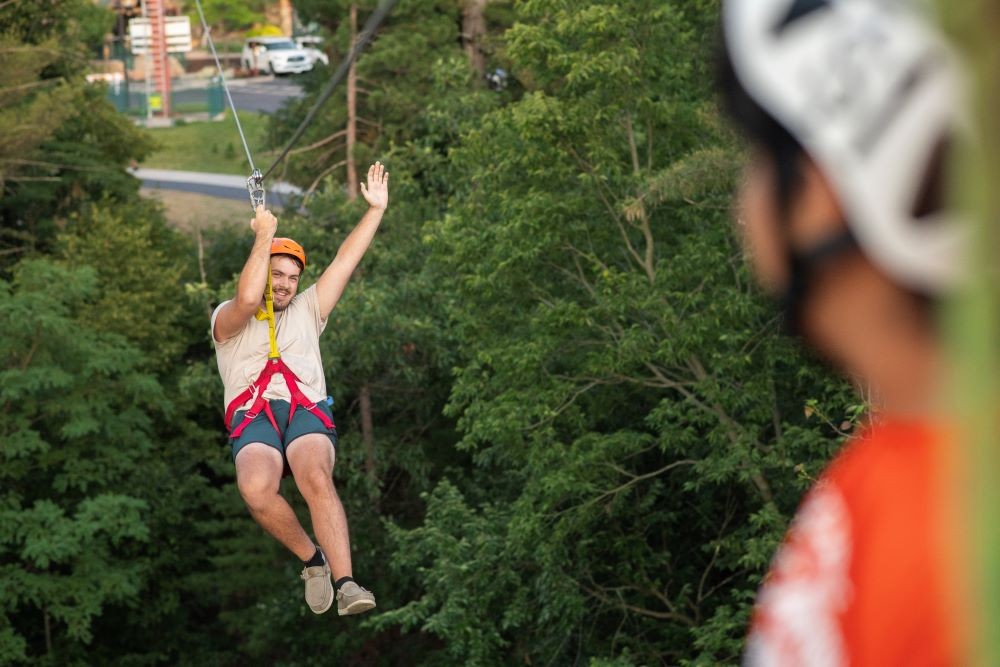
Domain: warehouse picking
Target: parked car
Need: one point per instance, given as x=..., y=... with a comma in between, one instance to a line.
x=277, y=55
x=313, y=46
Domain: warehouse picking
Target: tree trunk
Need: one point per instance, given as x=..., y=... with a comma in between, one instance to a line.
x=48, y=632
x=473, y=30
x=368, y=435
x=201, y=268
x=352, y=112
x=286, y=16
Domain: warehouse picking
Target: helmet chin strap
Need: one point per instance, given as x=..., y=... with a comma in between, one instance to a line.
x=802, y=267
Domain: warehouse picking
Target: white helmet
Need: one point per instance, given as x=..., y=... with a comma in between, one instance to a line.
x=873, y=94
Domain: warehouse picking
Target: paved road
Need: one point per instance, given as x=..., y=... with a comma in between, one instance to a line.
x=214, y=185
x=263, y=93
x=266, y=93
x=260, y=93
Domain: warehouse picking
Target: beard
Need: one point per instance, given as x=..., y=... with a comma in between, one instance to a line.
x=286, y=299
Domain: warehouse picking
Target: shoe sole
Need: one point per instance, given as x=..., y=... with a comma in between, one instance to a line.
x=356, y=607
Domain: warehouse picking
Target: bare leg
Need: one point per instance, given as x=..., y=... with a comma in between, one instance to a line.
x=258, y=475
x=311, y=459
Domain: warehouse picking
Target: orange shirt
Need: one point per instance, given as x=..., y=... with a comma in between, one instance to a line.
x=868, y=572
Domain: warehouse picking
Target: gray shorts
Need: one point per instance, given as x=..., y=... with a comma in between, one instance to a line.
x=261, y=430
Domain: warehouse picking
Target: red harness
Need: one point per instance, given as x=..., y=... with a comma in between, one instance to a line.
x=257, y=387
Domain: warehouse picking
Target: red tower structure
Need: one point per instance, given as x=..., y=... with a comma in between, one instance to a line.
x=158, y=52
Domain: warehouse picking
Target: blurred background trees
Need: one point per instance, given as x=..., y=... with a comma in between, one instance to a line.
x=571, y=432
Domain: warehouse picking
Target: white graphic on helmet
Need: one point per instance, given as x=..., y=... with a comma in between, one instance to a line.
x=872, y=93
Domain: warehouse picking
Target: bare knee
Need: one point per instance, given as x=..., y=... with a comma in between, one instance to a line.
x=258, y=479
x=311, y=460
x=315, y=482
x=257, y=489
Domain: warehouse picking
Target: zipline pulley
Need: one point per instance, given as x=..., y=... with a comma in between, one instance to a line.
x=255, y=186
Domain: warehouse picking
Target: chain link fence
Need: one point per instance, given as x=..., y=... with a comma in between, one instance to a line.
x=130, y=97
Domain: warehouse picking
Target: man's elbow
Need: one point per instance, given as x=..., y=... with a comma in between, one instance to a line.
x=246, y=304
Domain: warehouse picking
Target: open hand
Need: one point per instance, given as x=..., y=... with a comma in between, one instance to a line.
x=376, y=192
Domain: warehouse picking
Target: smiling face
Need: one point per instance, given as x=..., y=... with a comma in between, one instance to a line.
x=285, y=274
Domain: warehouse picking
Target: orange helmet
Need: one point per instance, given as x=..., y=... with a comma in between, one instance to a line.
x=283, y=246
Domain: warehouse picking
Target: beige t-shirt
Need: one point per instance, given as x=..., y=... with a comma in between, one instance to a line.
x=297, y=330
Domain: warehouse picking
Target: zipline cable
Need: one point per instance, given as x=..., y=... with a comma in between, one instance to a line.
x=371, y=25
x=225, y=86
x=255, y=184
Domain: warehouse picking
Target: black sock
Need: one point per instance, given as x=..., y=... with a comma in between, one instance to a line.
x=340, y=582
x=316, y=560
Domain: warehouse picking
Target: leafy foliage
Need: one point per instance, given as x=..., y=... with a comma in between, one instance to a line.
x=630, y=410
x=587, y=434
x=70, y=527
x=228, y=14
x=61, y=143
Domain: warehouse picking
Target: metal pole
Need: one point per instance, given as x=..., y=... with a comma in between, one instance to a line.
x=148, y=62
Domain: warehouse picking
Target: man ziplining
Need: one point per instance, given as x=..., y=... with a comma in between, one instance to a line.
x=267, y=348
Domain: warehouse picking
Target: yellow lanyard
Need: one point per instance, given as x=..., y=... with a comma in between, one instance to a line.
x=269, y=316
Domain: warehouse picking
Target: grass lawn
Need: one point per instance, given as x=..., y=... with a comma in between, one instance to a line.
x=189, y=211
x=210, y=146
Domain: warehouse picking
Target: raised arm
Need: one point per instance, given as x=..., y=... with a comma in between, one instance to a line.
x=253, y=279
x=331, y=284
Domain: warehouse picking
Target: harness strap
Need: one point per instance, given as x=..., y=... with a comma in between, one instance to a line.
x=270, y=417
x=260, y=404
x=256, y=389
x=300, y=399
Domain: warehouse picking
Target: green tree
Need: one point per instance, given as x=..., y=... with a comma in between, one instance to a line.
x=637, y=425
x=77, y=427
x=586, y=435
x=61, y=143
x=398, y=76
x=229, y=15
x=139, y=263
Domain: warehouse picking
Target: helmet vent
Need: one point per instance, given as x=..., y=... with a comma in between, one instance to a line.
x=930, y=195
x=799, y=9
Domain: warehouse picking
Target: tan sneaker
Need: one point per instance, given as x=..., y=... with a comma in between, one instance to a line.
x=319, y=588
x=353, y=599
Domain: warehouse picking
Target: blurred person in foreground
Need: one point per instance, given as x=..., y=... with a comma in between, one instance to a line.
x=850, y=108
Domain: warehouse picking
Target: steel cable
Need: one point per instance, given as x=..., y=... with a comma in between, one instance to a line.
x=365, y=36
